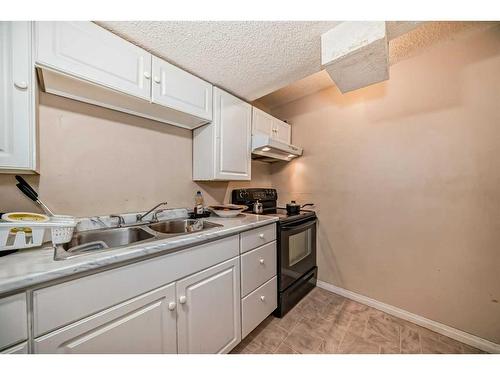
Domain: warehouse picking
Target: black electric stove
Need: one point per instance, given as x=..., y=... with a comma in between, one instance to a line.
x=296, y=237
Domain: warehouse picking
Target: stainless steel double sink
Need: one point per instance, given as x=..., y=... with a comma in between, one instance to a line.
x=109, y=238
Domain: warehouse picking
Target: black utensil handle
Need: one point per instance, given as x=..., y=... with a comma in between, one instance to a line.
x=307, y=204
x=23, y=182
x=27, y=192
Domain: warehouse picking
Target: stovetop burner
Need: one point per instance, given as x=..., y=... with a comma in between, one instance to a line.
x=269, y=199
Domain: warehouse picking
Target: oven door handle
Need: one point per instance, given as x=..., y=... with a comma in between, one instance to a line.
x=305, y=225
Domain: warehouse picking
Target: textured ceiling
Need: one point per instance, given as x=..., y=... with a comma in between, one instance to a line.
x=248, y=58
x=400, y=48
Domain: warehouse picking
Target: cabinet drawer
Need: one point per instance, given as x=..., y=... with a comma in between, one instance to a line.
x=13, y=320
x=73, y=300
x=257, y=267
x=258, y=305
x=257, y=237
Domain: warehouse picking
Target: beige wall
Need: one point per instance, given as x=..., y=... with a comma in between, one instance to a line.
x=406, y=179
x=98, y=161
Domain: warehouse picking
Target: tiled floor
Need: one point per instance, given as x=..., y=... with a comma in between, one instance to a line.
x=324, y=322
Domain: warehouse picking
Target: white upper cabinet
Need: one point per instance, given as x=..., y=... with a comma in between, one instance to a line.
x=85, y=62
x=282, y=131
x=89, y=52
x=209, y=318
x=17, y=99
x=264, y=123
x=222, y=149
x=177, y=89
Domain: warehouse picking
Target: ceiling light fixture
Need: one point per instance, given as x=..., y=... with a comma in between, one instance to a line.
x=266, y=149
x=291, y=156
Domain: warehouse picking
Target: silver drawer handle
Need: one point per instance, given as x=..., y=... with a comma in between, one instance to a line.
x=262, y=298
x=261, y=235
x=261, y=261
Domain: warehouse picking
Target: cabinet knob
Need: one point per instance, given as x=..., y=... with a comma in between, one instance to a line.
x=182, y=299
x=262, y=298
x=261, y=235
x=147, y=75
x=261, y=261
x=23, y=85
x=156, y=79
x=171, y=306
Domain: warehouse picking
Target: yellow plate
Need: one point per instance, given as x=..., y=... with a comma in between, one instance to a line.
x=24, y=216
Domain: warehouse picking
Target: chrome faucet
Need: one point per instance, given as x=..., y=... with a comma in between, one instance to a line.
x=154, y=218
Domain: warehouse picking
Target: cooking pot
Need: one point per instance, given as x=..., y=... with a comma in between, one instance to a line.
x=258, y=207
x=294, y=209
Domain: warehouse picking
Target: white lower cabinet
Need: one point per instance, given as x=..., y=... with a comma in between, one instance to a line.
x=188, y=301
x=145, y=324
x=258, y=305
x=18, y=349
x=259, y=283
x=13, y=320
x=209, y=310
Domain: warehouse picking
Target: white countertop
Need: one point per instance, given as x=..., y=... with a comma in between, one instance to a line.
x=28, y=268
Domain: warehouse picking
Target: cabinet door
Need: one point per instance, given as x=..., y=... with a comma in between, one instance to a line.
x=87, y=51
x=282, y=131
x=262, y=123
x=177, y=89
x=17, y=100
x=209, y=318
x=145, y=324
x=233, y=128
x=18, y=349
x=13, y=320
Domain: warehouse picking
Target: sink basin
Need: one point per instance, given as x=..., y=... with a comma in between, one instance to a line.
x=182, y=226
x=102, y=239
x=106, y=238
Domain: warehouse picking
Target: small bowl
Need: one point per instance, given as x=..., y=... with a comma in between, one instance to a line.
x=227, y=210
x=24, y=216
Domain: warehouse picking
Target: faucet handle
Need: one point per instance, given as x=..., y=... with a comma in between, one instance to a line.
x=121, y=220
x=156, y=212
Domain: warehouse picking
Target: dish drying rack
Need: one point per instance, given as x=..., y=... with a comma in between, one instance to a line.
x=25, y=234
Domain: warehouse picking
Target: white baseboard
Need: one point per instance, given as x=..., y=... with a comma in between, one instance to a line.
x=445, y=330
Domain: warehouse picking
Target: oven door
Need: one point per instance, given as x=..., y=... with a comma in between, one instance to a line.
x=297, y=251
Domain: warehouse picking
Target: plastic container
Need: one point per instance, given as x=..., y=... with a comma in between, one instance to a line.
x=26, y=234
